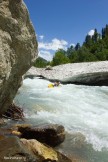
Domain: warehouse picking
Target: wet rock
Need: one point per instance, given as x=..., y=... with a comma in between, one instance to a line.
x=14, y=112
x=9, y=132
x=2, y=137
x=16, y=133
x=21, y=126
x=51, y=134
x=18, y=48
x=5, y=131
x=45, y=153
x=13, y=149
x=15, y=129
x=3, y=122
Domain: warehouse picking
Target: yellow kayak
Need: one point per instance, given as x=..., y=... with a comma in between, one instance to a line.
x=50, y=85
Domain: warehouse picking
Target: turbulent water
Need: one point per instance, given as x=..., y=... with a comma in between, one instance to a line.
x=80, y=109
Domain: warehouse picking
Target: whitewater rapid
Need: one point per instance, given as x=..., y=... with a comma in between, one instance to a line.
x=78, y=108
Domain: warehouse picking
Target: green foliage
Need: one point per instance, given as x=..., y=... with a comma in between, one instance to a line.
x=59, y=58
x=94, y=48
x=102, y=55
x=103, y=33
x=95, y=37
x=88, y=42
x=83, y=55
x=77, y=47
x=40, y=62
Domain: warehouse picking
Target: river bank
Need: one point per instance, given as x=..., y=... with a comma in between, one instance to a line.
x=29, y=149
x=88, y=73
x=82, y=110
x=24, y=141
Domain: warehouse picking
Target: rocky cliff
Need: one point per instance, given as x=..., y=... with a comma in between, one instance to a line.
x=18, y=48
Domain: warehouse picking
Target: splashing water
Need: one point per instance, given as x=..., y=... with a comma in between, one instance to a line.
x=78, y=108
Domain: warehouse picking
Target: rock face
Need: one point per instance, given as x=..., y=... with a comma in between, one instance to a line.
x=51, y=134
x=13, y=149
x=44, y=153
x=89, y=73
x=18, y=48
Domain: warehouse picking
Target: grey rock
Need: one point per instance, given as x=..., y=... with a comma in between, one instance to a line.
x=48, y=67
x=18, y=48
x=88, y=73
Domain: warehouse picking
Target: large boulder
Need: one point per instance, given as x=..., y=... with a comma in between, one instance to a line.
x=44, y=153
x=51, y=134
x=13, y=149
x=86, y=73
x=18, y=48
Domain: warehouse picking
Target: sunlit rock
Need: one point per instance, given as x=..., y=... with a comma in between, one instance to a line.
x=18, y=48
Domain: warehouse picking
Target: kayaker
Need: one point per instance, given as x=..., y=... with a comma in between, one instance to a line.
x=56, y=84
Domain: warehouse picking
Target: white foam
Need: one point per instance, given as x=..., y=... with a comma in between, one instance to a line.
x=78, y=108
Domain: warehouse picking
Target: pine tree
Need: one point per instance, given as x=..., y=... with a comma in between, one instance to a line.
x=77, y=47
x=95, y=37
x=106, y=31
x=88, y=41
x=103, y=33
x=70, y=51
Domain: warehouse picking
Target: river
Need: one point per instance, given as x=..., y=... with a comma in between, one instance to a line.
x=82, y=110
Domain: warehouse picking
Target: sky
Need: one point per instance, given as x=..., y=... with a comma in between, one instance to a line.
x=61, y=23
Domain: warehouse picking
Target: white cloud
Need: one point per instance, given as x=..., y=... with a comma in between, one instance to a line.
x=54, y=45
x=47, y=49
x=46, y=55
x=41, y=37
x=91, y=32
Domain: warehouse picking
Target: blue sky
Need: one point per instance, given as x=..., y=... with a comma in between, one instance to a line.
x=60, y=23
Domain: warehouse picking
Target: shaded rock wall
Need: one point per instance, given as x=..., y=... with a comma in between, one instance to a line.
x=18, y=48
